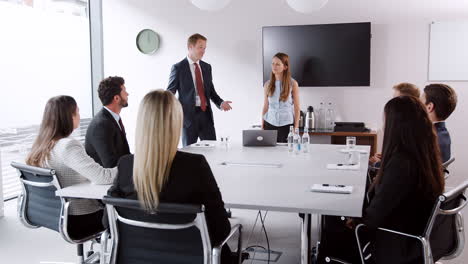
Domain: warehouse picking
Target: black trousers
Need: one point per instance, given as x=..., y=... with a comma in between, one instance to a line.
x=283, y=131
x=202, y=127
x=80, y=226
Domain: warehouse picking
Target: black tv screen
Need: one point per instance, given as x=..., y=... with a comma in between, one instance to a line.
x=321, y=55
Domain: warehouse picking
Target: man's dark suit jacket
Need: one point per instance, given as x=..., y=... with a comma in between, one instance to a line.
x=443, y=137
x=398, y=205
x=104, y=141
x=181, y=81
x=190, y=181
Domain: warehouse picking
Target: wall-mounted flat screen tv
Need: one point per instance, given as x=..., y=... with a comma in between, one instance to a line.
x=321, y=55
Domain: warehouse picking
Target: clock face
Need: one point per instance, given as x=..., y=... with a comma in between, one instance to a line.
x=147, y=41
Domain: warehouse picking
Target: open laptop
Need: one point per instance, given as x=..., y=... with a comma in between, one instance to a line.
x=257, y=137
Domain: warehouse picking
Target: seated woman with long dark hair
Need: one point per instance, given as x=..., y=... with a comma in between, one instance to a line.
x=408, y=183
x=54, y=148
x=158, y=173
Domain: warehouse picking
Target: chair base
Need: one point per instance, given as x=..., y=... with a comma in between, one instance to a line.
x=91, y=256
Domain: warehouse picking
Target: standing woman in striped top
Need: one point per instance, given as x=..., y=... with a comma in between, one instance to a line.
x=281, y=99
x=54, y=148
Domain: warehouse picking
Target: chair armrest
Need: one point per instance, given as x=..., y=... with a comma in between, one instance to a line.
x=216, y=253
x=455, y=210
x=420, y=239
x=399, y=233
x=337, y=260
x=234, y=229
x=387, y=230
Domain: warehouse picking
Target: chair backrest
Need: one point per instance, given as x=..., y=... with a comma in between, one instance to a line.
x=448, y=162
x=446, y=165
x=175, y=233
x=37, y=204
x=445, y=228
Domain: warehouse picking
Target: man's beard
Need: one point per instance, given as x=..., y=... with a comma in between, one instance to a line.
x=124, y=104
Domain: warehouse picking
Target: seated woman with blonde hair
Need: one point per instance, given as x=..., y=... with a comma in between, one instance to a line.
x=158, y=172
x=401, y=89
x=54, y=148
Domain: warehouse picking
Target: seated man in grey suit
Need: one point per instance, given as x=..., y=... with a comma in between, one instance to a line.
x=440, y=101
x=192, y=79
x=106, y=140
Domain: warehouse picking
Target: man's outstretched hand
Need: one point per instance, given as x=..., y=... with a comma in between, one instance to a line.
x=225, y=106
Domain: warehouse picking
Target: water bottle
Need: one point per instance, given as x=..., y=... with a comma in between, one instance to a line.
x=321, y=118
x=310, y=119
x=305, y=140
x=330, y=118
x=290, y=139
x=297, y=141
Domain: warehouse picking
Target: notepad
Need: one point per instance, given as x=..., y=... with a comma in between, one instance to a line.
x=203, y=145
x=330, y=188
x=252, y=164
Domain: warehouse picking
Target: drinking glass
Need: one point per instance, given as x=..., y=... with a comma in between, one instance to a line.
x=352, y=157
x=350, y=143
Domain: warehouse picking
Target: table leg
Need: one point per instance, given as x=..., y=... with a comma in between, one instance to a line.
x=305, y=243
x=319, y=234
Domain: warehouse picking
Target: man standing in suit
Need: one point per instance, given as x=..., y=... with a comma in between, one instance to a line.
x=440, y=101
x=106, y=140
x=192, y=79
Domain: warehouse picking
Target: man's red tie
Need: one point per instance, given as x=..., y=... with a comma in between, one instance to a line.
x=200, y=88
x=121, y=125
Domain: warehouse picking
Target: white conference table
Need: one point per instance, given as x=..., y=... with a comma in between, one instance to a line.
x=272, y=179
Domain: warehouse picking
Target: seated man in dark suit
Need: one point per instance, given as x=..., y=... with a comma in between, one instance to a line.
x=106, y=140
x=440, y=101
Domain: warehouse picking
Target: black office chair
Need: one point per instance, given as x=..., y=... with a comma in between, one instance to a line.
x=175, y=233
x=38, y=206
x=444, y=236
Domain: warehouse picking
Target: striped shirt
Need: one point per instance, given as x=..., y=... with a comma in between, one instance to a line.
x=73, y=166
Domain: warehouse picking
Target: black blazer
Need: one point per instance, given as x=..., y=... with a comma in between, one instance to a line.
x=190, y=181
x=443, y=138
x=181, y=81
x=104, y=141
x=398, y=205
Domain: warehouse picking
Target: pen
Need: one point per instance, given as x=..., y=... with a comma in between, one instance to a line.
x=340, y=185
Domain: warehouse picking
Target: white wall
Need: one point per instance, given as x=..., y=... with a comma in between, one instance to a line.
x=399, y=53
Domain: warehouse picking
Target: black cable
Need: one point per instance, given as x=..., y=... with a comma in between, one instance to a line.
x=253, y=228
x=256, y=246
x=266, y=235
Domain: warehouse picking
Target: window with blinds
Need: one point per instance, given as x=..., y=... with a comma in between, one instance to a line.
x=15, y=144
x=59, y=64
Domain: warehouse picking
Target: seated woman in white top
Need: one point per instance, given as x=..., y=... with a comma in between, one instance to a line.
x=54, y=148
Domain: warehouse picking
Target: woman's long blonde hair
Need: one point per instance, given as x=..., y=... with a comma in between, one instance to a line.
x=158, y=129
x=285, y=83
